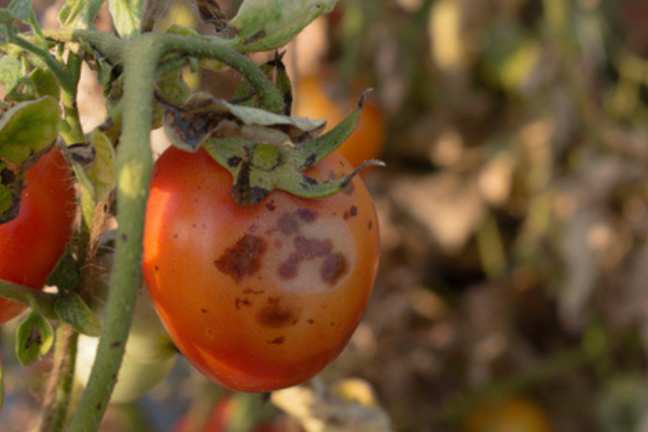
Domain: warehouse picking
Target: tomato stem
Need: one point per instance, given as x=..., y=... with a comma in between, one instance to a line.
x=22, y=294
x=134, y=166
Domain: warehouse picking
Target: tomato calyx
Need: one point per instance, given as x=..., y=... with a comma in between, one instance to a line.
x=263, y=151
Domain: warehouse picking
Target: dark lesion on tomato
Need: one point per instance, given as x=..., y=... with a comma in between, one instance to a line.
x=277, y=314
x=244, y=258
x=334, y=267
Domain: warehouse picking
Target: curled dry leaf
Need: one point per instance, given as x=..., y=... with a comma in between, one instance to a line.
x=204, y=116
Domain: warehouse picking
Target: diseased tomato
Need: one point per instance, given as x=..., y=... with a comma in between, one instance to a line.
x=317, y=101
x=515, y=413
x=262, y=297
x=32, y=243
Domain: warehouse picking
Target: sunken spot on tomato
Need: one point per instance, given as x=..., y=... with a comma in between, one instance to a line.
x=278, y=340
x=289, y=268
x=277, y=315
x=243, y=259
x=349, y=189
x=203, y=310
x=306, y=249
x=353, y=211
x=335, y=266
x=307, y=215
x=242, y=302
x=270, y=205
x=370, y=224
x=310, y=321
x=288, y=224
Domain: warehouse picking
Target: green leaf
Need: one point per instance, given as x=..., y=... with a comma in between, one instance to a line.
x=34, y=338
x=97, y=175
x=79, y=14
x=21, y=9
x=45, y=84
x=265, y=25
x=28, y=127
x=65, y=275
x=10, y=68
x=127, y=16
x=73, y=310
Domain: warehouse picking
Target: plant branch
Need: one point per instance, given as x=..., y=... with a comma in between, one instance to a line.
x=22, y=294
x=59, y=73
x=134, y=166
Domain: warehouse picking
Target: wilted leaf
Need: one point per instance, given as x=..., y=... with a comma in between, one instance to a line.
x=210, y=12
x=34, y=338
x=265, y=25
x=204, y=116
x=97, y=161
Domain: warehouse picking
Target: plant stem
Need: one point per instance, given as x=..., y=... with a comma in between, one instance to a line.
x=134, y=166
x=22, y=294
x=71, y=129
x=59, y=390
x=108, y=45
x=59, y=73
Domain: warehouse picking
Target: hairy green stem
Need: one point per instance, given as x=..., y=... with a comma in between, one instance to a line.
x=59, y=73
x=108, y=45
x=22, y=294
x=134, y=166
x=59, y=391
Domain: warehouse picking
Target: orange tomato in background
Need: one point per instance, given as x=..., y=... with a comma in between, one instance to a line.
x=321, y=97
x=512, y=414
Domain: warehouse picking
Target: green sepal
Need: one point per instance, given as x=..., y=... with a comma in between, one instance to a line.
x=96, y=160
x=11, y=70
x=258, y=169
x=34, y=338
x=71, y=308
x=28, y=127
x=265, y=25
x=65, y=275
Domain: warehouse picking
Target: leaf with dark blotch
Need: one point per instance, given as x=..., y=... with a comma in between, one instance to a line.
x=34, y=338
x=204, y=116
x=211, y=13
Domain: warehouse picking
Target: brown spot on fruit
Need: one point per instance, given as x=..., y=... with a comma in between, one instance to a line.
x=370, y=224
x=288, y=224
x=253, y=292
x=349, y=189
x=277, y=341
x=277, y=316
x=288, y=269
x=203, y=310
x=310, y=321
x=241, y=302
x=307, y=215
x=353, y=211
x=309, y=248
x=270, y=205
x=333, y=268
x=243, y=259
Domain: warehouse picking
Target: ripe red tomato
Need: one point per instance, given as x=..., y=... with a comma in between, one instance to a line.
x=262, y=297
x=512, y=414
x=317, y=101
x=32, y=243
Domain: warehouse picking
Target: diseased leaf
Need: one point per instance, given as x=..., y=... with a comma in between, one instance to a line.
x=204, y=116
x=127, y=16
x=45, y=84
x=265, y=25
x=10, y=72
x=28, y=127
x=34, y=338
x=97, y=162
x=79, y=14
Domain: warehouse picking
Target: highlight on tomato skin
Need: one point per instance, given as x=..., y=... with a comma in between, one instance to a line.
x=262, y=297
x=32, y=243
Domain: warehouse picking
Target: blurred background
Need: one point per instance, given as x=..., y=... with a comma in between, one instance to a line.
x=513, y=289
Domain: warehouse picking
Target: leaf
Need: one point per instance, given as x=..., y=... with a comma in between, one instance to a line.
x=210, y=12
x=10, y=72
x=127, y=16
x=21, y=9
x=74, y=311
x=97, y=172
x=28, y=127
x=79, y=14
x=265, y=25
x=65, y=275
x=45, y=84
x=34, y=338
x=5, y=199
x=204, y=116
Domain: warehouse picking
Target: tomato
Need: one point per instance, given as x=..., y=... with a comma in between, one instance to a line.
x=316, y=101
x=512, y=414
x=261, y=297
x=32, y=243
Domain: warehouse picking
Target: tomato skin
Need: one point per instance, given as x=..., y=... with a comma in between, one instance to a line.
x=262, y=297
x=367, y=140
x=32, y=243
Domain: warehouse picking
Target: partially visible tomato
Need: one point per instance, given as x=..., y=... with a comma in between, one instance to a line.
x=32, y=243
x=512, y=414
x=262, y=297
x=317, y=99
